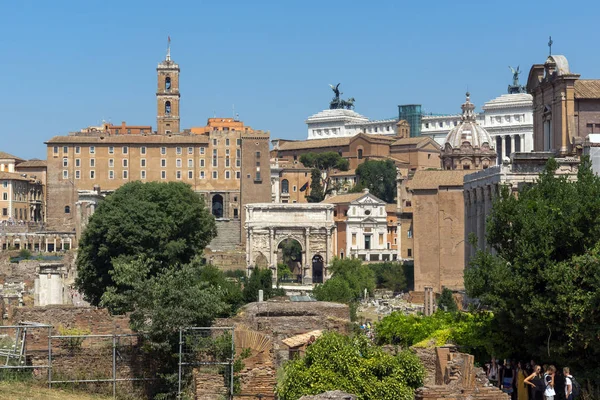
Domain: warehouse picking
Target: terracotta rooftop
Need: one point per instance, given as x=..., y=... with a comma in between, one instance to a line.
x=411, y=140
x=434, y=179
x=332, y=142
x=313, y=143
x=302, y=339
x=343, y=198
x=587, y=89
x=391, y=208
x=129, y=139
x=350, y=172
x=33, y=163
x=397, y=159
x=4, y=155
x=13, y=176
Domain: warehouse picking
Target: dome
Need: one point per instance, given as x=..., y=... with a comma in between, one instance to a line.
x=468, y=130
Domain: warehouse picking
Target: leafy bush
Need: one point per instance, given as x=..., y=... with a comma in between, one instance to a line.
x=25, y=254
x=353, y=365
x=472, y=332
x=72, y=344
x=350, y=277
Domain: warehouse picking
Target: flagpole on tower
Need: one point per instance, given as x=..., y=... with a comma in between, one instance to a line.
x=168, y=48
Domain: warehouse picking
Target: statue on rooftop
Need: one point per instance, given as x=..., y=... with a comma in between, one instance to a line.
x=516, y=74
x=336, y=90
x=337, y=102
x=515, y=87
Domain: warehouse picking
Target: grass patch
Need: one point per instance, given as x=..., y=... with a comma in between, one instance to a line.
x=33, y=391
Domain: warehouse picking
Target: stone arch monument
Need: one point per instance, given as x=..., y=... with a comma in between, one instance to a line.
x=311, y=224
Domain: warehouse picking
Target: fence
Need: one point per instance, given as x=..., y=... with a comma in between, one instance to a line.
x=15, y=354
x=116, y=363
x=110, y=362
x=106, y=359
x=206, y=361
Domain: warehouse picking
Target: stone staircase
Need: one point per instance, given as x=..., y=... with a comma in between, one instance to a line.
x=228, y=236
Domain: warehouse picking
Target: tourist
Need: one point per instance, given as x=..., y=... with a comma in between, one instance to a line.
x=508, y=376
x=536, y=382
x=549, y=393
x=494, y=372
x=522, y=388
x=568, y=383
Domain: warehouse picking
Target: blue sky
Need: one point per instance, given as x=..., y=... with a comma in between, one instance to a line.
x=67, y=65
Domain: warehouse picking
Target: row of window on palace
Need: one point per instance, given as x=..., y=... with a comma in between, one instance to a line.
x=144, y=149
x=163, y=174
x=20, y=213
x=367, y=240
x=21, y=196
x=163, y=162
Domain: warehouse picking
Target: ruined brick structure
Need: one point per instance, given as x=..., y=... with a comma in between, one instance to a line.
x=263, y=326
x=451, y=375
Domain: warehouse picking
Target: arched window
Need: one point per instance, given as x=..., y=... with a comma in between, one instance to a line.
x=285, y=186
x=360, y=154
x=168, y=83
x=167, y=107
x=67, y=209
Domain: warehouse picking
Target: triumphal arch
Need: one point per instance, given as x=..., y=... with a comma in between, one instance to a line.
x=311, y=225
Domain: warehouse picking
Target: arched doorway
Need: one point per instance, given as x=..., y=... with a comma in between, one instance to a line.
x=289, y=252
x=217, y=206
x=261, y=261
x=317, y=269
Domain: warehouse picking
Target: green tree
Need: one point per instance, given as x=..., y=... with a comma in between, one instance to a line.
x=178, y=296
x=350, y=277
x=292, y=251
x=164, y=224
x=446, y=301
x=283, y=271
x=317, y=192
x=543, y=283
x=393, y=276
x=379, y=177
x=260, y=279
x=353, y=365
x=322, y=165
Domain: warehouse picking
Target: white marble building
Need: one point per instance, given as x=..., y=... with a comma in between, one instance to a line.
x=345, y=123
x=507, y=118
x=362, y=227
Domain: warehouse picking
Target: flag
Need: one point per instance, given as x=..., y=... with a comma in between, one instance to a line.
x=169, y=39
x=304, y=187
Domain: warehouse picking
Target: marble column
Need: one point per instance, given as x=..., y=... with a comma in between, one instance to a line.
x=512, y=143
x=308, y=258
x=249, y=251
x=271, y=234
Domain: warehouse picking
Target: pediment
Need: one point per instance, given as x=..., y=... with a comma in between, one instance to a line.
x=368, y=198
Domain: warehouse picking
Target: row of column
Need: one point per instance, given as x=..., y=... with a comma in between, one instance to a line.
x=306, y=254
x=505, y=145
x=478, y=205
x=29, y=242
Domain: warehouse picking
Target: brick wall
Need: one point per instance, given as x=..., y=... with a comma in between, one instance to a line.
x=262, y=327
x=454, y=376
x=96, y=320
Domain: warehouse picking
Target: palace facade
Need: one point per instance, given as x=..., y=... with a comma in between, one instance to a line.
x=225, y=161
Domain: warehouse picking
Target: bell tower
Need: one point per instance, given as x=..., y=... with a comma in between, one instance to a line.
x=167, y=95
